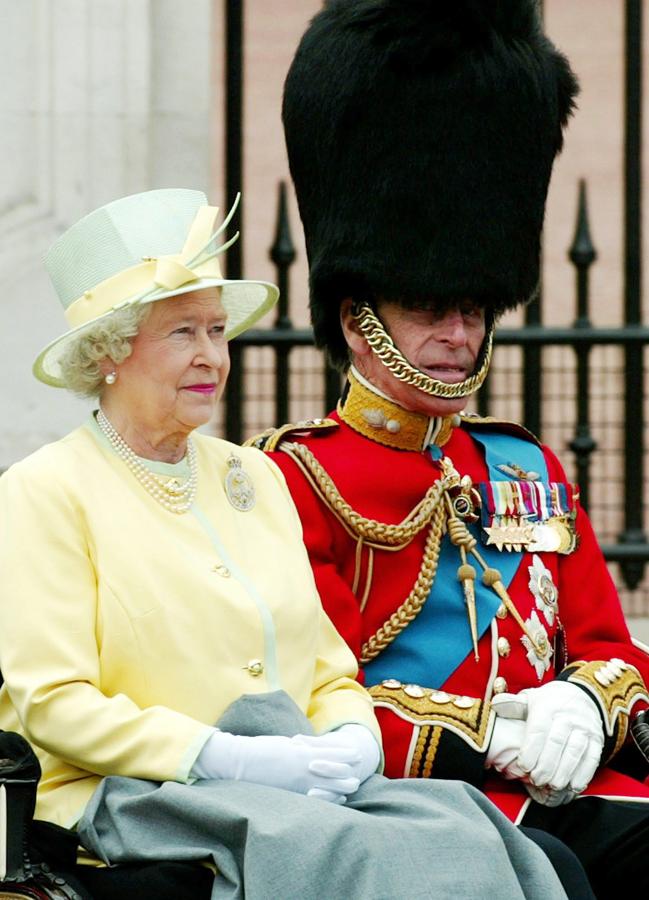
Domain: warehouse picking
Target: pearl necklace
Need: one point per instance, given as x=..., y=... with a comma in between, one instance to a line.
x=175, y=497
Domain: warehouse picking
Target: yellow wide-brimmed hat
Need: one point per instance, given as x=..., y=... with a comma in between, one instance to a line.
x=139, y=249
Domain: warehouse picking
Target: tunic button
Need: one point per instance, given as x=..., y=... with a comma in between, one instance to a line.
x=504, y=647
x=440, y=697
x=221, y=570
x=501, y=612
x=255, y=667
x=414, y=691
x=463, y=702
x=392, y=683
x=500, y=685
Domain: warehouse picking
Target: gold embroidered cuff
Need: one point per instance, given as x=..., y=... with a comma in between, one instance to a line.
x=616, y=686
x=468, y=717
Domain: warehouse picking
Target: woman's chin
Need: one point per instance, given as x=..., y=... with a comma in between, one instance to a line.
x=197, y=411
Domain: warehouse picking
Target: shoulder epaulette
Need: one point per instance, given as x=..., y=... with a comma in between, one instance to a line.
x=473, y=420
x=269, y=440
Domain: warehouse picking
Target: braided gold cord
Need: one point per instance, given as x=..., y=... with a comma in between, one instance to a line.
x=462, y=538
x=414, y=602
x=380, y=533
x=435, y=509
x=383, y=346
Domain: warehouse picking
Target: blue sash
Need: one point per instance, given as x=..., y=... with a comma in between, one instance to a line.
x=431, y=648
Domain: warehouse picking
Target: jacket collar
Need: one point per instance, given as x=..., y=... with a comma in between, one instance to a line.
x=374, y=415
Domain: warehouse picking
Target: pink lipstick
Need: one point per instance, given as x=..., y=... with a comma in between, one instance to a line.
x=201, y=388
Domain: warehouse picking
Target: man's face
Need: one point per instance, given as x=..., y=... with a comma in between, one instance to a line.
x=443, y=345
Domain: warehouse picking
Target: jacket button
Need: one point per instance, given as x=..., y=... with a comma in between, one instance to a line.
x=255, y=667
x=501, y=612
x=500, y=685
x=504, y=647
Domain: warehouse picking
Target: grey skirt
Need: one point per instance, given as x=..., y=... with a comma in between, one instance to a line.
x=402, y=838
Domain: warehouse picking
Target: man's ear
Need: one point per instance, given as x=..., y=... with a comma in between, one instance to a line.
x=354, y=338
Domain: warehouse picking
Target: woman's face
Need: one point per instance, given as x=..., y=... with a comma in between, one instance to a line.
x=172, y=380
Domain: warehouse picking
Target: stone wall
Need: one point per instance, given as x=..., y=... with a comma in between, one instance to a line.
x=98, y=99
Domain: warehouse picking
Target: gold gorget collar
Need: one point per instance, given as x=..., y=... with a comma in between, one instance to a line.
x=368, y=411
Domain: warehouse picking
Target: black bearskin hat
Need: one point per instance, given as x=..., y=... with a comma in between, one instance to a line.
x=421, y=136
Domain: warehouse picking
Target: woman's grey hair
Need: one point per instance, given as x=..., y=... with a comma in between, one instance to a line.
x=110, y=338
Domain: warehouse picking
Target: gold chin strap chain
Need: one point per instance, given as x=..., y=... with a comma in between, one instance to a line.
x=444, y=508
x=383, y=346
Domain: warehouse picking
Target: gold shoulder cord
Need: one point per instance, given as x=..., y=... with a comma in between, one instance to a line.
x=438, y=510
x=430, y=511
x=414, y=602
x=380, y=534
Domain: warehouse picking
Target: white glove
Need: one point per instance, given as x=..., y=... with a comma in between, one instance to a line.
x=356, y=737
x=299, y=764
x=563, y=739
x=547, y=797
x=505, y=745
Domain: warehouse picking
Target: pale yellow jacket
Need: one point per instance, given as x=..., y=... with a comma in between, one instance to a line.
x=126, y=630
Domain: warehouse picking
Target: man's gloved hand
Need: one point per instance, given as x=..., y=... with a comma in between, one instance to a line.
x=356, y=737
x=563, y=739
x=301, y=764
x=505, y=745
x=548, y=797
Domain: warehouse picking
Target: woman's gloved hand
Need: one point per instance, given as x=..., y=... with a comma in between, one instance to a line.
x=300, y=764
x=356, y=737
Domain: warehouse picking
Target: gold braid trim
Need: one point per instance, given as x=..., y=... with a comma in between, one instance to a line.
x=430, y=510
x=414, y=602
x=383, y=346
x=470, y=718
x=269, y=439
x=616, y=686
x=426, y=747
x=380, y=534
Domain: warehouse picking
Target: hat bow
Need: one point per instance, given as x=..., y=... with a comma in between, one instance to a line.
x=159, y=274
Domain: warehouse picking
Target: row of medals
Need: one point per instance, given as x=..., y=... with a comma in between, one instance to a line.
x=556, y=534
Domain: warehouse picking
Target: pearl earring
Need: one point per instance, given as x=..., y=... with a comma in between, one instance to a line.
x=111, y=378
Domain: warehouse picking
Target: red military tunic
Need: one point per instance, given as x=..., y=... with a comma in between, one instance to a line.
x=367, y=467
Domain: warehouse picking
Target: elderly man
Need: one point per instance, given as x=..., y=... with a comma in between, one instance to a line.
x=450, y=550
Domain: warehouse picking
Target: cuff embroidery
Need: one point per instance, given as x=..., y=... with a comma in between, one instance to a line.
x=615, y=686
x=468, y=717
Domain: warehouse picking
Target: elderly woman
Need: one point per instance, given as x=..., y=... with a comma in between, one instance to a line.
x=162, y=643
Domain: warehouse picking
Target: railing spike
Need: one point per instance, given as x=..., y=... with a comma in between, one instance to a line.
x=582, y=253
x=282, y=252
